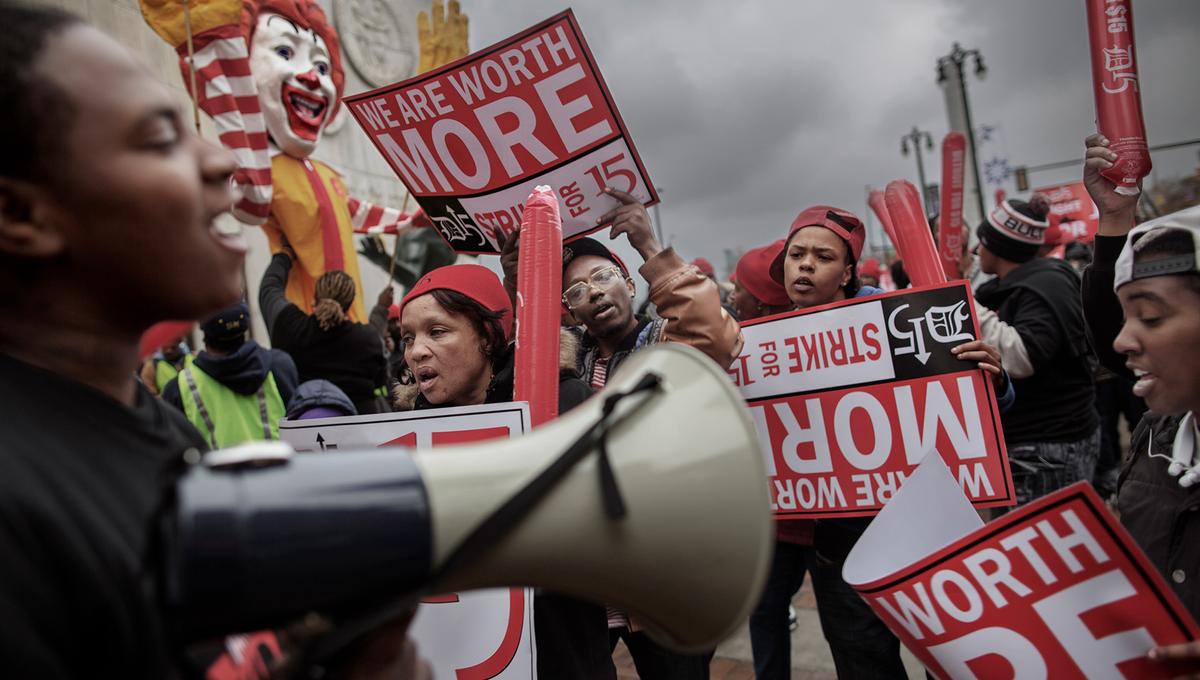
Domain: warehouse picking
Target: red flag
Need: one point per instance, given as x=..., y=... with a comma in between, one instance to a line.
x=1115, y=85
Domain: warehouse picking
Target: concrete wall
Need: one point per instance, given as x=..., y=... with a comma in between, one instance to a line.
x=344, y=146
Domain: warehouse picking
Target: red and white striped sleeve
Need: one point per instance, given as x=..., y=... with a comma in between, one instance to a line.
x=230, y=96
x=368, y=218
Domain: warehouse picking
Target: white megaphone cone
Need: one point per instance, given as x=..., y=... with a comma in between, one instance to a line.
x=651, y=496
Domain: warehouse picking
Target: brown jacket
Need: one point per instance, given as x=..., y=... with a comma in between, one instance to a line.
x=690, y=311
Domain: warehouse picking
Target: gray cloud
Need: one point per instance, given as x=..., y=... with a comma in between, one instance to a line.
x=748, y=112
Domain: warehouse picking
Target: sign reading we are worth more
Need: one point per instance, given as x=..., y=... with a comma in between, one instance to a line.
x=479, y=634
x=848, y=398
x=473, y=138
x=1056, y=589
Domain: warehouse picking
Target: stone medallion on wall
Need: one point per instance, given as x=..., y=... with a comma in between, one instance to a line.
x=379, y=38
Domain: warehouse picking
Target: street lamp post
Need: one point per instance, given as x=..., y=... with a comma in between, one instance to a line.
x=958, y=56
x=916, y=137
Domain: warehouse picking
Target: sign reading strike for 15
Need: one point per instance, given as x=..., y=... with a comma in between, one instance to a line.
x=470, y=140
x=848, y=398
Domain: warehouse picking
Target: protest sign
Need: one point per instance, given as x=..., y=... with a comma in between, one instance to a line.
x=417, y=429
x=475, y=635
x=473, y=138
x=849, y=397
x=1077, y=216
x=1056, y=589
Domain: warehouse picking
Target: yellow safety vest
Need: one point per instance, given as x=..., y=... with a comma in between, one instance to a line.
x=227, y=418
x=164, y=373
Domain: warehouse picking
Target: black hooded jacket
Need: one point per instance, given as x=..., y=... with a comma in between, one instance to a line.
x=243, y=371
x=1041, y=300
x=349, y=356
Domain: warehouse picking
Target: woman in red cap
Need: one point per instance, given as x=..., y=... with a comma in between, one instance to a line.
x=817, y=265
x=456, y=330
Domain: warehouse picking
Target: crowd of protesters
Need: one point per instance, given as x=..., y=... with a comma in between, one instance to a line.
x=93, y=436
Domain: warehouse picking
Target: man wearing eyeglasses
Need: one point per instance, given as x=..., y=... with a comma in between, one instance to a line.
x=598, y=292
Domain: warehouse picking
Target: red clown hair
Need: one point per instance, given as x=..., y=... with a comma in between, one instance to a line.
x=306, y=14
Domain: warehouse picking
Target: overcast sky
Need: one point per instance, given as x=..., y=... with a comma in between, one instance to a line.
x=747, y=112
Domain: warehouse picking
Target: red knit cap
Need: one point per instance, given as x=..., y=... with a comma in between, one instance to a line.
x=841, y=222
x=472, y=280
x=754, y=274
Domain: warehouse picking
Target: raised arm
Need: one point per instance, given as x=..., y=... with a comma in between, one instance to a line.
x=688, y=300
x=1101, y=309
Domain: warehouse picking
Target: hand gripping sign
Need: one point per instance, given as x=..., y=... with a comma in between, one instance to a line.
x=950, y=223
x=1115, y=85
x=469, y=636
x=539, y=288
x=1056, y=589
x=849, y=397
x=472, y=139
x=915, y=240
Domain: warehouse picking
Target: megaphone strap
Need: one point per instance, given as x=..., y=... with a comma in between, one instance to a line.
x=522, y=502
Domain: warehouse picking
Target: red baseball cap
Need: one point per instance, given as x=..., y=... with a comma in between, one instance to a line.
x=472, y=280
x=841, y=222
x=753, y=274
x=870, y=267
x=393, y=312
x=704, y=266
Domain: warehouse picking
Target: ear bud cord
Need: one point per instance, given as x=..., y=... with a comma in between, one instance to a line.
x=1183, y=452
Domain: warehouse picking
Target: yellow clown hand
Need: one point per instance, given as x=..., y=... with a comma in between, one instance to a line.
x=443, y=37
x=167, y=20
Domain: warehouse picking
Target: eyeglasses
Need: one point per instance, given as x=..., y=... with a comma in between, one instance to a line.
x=602, y=279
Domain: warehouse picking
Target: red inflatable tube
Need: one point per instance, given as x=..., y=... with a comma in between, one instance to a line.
x=875, y=200
x=1115, y=85
x=950, y=221
x=914, y=240
x=539, y=291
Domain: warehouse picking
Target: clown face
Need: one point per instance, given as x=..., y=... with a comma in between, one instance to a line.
x=293, y=71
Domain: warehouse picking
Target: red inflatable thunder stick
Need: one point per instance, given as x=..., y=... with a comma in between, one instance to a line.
x=539, y=289
x=1115, y=84
x=914, y=242
x=950, y=224
x=875, y=200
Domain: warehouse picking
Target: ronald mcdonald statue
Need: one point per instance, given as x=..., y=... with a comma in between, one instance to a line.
x=269, y=73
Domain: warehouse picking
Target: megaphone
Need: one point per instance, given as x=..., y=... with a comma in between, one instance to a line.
x=651, y=496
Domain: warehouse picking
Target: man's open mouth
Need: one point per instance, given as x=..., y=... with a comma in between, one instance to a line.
x=306, y=111
x=604, y=310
